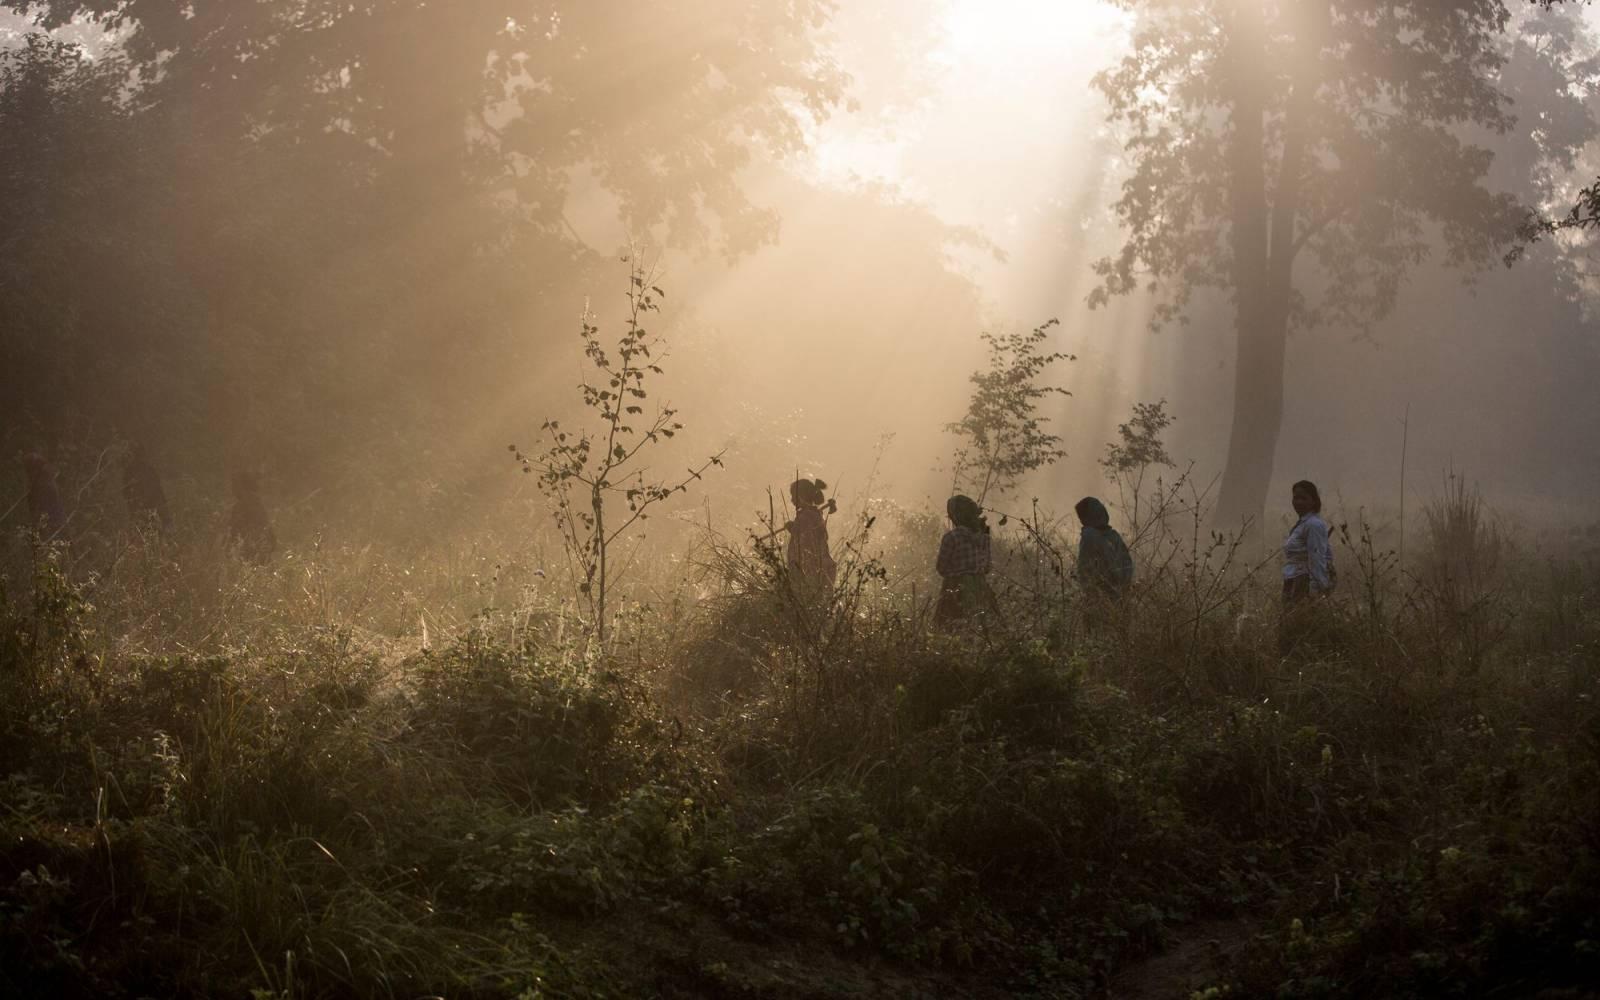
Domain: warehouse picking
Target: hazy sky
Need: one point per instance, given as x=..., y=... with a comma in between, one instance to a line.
x=1000, y=112
x=982, y=111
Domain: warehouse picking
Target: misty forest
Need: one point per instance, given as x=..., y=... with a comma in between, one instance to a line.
x=799, y=498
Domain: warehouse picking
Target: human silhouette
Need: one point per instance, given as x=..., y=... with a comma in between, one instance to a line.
x=963, y=565
x=1308, y=572
x=1307, y=551
x=807, y=553
x=248, y=524
x=46, y=513
x=1105, y=566
x=142, y=493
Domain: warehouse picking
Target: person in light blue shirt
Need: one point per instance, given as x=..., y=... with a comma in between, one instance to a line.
x=1308, y=551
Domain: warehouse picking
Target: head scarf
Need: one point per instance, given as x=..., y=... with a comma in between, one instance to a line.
x=1093, y=513
x=966, y=513
x=807, y=492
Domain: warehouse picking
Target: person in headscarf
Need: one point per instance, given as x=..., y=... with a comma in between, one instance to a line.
x=142, y=493
x=1308, y=551
x=807, y=553
x=248, y=524
x=1105, y=566
x=963, y=565
x=46, y=513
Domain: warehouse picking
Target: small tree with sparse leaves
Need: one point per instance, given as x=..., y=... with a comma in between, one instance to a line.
x=1128, y=460
x=1003, y=437
x=591, y=475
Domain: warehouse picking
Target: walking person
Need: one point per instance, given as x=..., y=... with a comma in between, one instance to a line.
x=249, y=527
x=1105, y=566
x=1308, y=572
x=142, y=493
x=46, y=513
x=1308, y=551
x=807, y=553
x=963, y=565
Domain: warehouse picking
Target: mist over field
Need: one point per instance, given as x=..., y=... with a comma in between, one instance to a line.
x=951, y=170
x=517, y=498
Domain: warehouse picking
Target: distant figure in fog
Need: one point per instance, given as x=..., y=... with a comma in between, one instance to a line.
x=807, y=554
x=1105, y=566
x=248, y=525
x=46, y=513
x=963, y=565
x=1307, y=552
x=142, y=493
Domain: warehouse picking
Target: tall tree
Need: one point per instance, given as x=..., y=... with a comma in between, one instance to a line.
x=367, y=204
x=1264, y=133
x=663, y=104
x=1585, y=212
x=74, y=258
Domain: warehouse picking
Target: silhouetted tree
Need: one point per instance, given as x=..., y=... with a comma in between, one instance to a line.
x=142, y=493
x=348, y=216
x=1003, y=437
x=74, y=259
x=662, y=103
x=1262, y=133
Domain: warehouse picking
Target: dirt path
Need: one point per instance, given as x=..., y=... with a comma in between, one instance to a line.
x=1193, y=962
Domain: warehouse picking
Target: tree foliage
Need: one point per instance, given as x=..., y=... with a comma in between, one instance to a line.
x=587, y=473
x=662, y=106
x=1003, y=436
x=1368, y=104
x=1139, y=443
x=1261, y=136
x=272, y=223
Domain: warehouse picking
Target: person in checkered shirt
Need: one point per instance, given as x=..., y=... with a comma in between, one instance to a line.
x=963, y=565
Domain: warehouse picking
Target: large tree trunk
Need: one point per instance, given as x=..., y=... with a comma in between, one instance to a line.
x=1257, y=393
x=1264, y=247
x=1257, y=418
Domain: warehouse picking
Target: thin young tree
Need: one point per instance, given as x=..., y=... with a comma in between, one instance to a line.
x=1128, y=460
x=593, y=475
x=1003, y=436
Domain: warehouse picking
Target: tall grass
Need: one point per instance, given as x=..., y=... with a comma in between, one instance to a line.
x=228, y=780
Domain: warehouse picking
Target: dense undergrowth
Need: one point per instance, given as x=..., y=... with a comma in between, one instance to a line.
x=220, y=782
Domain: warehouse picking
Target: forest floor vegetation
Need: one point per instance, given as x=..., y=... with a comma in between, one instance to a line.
x=226, y=781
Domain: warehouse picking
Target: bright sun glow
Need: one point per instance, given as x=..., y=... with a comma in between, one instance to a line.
x=1001, y=72
x=1003, y=139
x=1019, y=32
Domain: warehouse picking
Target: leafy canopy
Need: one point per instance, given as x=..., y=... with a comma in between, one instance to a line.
x=1379, y=95
x=661, y=104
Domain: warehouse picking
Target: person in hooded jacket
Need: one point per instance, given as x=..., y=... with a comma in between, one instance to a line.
x=1105, y=566
x=963, y=565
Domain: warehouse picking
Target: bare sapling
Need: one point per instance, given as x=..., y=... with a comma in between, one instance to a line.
x=594, y=475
